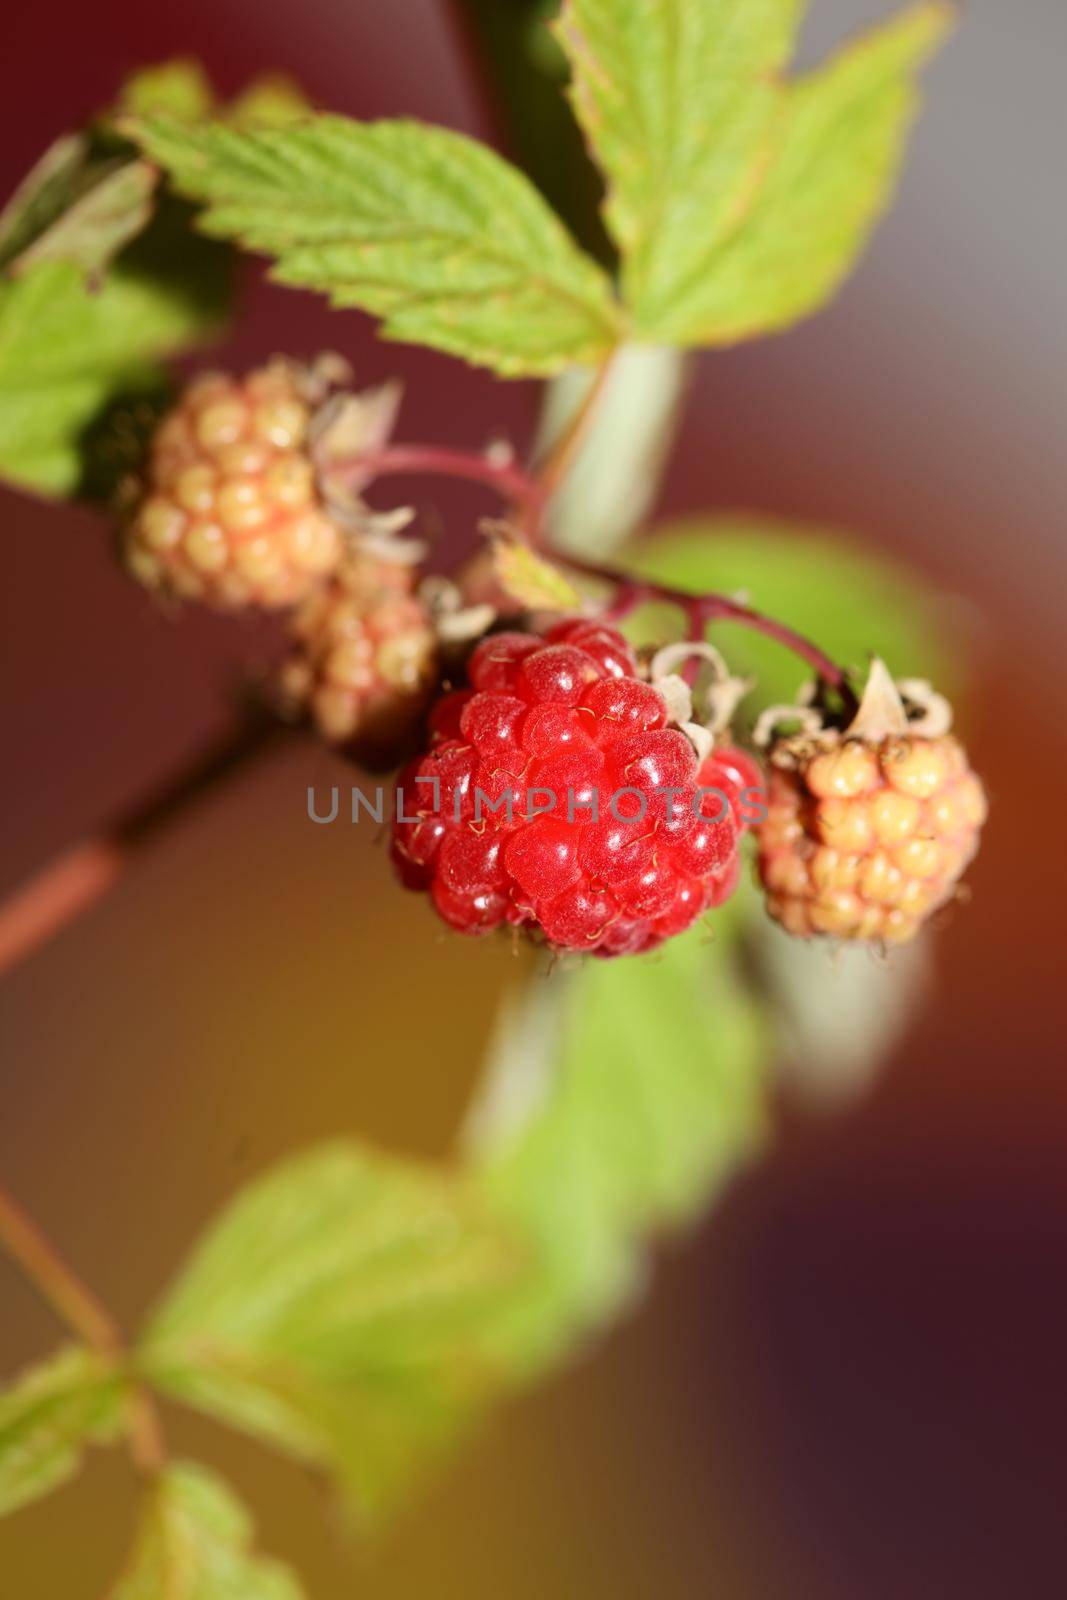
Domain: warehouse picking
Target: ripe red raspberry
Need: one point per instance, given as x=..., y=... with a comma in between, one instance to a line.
x=230, y=513
x=865, y=837
x=561, y=733
x=364, y=659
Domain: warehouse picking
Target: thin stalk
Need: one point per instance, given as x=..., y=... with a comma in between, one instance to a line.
x=528, y=493
x=55, y=1281
x=508, y=480
x=700, y=609
x=78, y=878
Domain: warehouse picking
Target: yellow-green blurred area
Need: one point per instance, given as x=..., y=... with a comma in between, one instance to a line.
x=847, y=1381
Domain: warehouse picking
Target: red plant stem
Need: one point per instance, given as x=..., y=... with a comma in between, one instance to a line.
x=630, y=590
x=508, y=480
x=57, y=1283
x=81, y=876
x=75, y=1304
x=700, y=609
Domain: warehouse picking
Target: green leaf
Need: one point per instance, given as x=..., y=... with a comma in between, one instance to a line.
x=195, y=1543
x=650, y=1083
x=336, y=1310
x=845, y=598
x=425, y=228
x=531, y=580
x=49, y=1416
x=68, y=351
x=678, y=100
x=837, y=150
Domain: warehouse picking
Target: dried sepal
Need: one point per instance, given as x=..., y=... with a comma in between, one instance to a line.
x=721, y=695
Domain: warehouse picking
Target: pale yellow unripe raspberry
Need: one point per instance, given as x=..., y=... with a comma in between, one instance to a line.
x=230, y=513
x=866, y=837
x=364, y=659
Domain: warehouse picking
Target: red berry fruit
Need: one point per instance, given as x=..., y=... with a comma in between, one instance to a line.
x=556, y=798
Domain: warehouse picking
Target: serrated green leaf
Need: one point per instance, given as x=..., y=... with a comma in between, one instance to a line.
x=847, y=599
x=195, y=1542
x=678, y=101
x=49, y=1416
x=179, y=88
x=425, y=228
x=68, y=350
x=531, y=580
x=836, y=154
x=651, y=1095
x=336, y=1311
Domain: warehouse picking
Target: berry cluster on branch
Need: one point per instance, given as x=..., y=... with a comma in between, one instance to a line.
x=566, y=788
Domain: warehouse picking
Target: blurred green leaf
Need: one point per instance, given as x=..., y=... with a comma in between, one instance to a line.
x=67, y=350
x=651, y=1082
x=425, y=228
x=837, y=149
x=48, y=1417
x=838, y=1013
x=336, y=1310
x=678, y=100
x=848, y=600
x=194, y=1542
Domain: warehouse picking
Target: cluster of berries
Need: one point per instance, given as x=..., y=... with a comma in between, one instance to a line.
x=231, y=514
x=561, y=793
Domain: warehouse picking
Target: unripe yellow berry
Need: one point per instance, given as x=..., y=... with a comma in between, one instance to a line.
x=231, y=514
x=865, y=840
x=364, y=660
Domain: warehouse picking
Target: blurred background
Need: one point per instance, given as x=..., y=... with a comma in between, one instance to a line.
x=849, y=1381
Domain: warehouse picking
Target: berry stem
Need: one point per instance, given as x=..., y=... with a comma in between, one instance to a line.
x=700, y=609
x=509, y=481
x=530, y=494
x=56, y=1282
x=75, y=880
